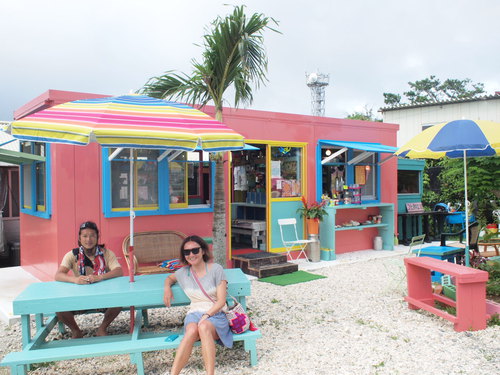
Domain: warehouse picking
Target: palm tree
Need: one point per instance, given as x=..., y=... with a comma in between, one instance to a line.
x=233, y=56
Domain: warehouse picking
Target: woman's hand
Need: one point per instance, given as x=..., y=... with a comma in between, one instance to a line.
x=168, y=296
x=203, y=317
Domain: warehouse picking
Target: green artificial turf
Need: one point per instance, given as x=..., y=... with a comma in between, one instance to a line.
x=291, y=278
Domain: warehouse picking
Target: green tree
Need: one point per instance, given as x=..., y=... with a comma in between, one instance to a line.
x=365, y=115
x=433, y=90
x=392, y=99
x=233, y=56
x=483, y=174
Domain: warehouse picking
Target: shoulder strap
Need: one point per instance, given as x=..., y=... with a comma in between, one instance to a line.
x=195, y=277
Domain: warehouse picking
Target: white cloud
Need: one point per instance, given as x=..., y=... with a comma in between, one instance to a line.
x=110, y=47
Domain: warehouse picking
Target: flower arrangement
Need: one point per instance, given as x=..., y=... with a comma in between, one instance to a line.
x=313, y=211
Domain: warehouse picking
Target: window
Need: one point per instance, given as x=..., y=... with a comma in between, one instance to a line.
x=161, y=186
x=189, y=177
x=408, y=182
x=35, y=181
x=427, y=126
x=286, y=175
x=365, y=175
x=334, y=173
x=145, y=180
x=341, y=171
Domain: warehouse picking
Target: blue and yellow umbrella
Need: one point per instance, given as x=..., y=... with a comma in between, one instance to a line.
x=455, y=139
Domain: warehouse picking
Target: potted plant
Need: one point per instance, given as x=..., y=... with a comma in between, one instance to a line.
x=313, y=213
x=492, y=227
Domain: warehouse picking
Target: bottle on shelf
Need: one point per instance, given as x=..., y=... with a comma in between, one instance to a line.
x=355, y=192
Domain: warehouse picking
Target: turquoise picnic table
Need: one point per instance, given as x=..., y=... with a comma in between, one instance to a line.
x=44, y=299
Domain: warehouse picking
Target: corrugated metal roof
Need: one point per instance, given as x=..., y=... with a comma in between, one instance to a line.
x=7, y=141
x=429, y=104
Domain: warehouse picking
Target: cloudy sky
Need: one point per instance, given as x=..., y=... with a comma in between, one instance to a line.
x=367, y=47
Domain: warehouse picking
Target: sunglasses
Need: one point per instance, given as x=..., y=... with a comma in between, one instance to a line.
x=195, y=251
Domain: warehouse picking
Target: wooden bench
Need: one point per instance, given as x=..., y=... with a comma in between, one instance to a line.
x=470, y=286
x=152, y=248
x=133, y=344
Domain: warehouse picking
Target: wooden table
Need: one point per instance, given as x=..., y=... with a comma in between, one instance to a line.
x=485, y=253
x=44, y=299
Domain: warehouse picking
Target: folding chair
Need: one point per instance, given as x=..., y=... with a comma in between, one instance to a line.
x=417, y=241
x=290, y=239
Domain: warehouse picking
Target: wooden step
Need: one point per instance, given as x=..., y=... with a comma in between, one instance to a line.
x=273, y=269
x=264, y=264
x=258, y=259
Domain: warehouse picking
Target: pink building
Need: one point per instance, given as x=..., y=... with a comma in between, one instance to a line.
x=75, y=184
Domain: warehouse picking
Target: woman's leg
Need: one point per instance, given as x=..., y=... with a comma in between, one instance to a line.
x=208, y=335
x=185, y=348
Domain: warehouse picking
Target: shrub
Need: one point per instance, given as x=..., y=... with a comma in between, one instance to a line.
x=493, y=284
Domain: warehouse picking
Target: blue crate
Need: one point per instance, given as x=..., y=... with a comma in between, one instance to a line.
x=459, y=218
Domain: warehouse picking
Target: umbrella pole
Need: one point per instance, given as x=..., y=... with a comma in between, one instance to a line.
x=467, y=254
x=132, y=216
x=131, y=243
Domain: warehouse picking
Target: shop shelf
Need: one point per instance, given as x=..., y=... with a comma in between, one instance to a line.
x=361, y=227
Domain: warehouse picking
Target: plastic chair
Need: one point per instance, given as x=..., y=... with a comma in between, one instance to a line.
x=417, y=241
x=290, y=239
x=473, y=237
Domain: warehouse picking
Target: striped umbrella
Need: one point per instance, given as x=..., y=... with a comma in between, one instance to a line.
x=455, y=139
x=135, y=121
x=129, y=121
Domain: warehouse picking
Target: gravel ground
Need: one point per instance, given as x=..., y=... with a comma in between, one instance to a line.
x=352, y=322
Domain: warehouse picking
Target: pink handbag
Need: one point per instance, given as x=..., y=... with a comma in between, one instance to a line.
x=237, y=318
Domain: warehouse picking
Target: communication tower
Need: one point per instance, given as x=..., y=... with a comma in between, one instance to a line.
x=317, y=83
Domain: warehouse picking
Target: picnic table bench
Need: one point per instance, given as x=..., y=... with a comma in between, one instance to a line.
x=46, y=298
x=470, y=292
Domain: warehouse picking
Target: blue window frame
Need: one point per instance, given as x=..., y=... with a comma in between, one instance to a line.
x=35, y=181
x=154, y=194
x=348, y=163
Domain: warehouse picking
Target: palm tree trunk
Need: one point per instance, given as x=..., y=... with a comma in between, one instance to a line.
x=219, y=223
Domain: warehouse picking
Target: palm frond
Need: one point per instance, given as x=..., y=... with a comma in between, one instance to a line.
x=233, y=55
x=179, y=87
